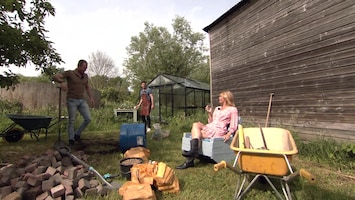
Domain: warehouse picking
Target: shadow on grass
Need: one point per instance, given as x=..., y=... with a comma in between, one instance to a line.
x=300, y=189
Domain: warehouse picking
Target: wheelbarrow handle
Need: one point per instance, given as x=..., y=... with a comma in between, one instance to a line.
x=307, y=175
x=219, y=165
x=303, y=173
x=224, y=164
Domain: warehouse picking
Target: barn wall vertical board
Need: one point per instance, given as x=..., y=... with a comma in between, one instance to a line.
x=302, y=51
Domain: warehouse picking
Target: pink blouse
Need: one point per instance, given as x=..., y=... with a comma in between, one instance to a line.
x=218, y=126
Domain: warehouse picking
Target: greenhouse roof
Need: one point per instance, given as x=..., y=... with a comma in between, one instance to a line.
x=177, y=82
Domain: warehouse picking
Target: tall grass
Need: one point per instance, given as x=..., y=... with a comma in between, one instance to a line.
x=326, y=151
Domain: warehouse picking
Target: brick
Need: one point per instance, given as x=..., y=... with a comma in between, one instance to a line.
x=20, y=171
x=49, y=152
x=45, y=161
x=102, y=190
x=5, y=180
x=13, y=196
x=71, y=173
x=56, y=178
x=67, y=182
x=27, y=175
x=47, y=184
x=43, y=196
x=78, y=167
x=53, y=161
x=14, y=181
x=91, y=191
x=40, y=169
x=37, y=160
x=57, y=191
x=78, y=193
x=58, y=164
x=27, y=157
x=69, y=197
x=51, y=171
x=68, y=185
x=60, y=168
x=94, y=183
x=6, y=190
x=81, y=171
x=21, y=184
x=21, y=190
x=49, y=198
x=57, y=155
x=83, y=184
x=43, y=176
x=33, y=181
x=22, y=163
x=31, y=167
x=66, y=161
x=9, y=171
x=32, y=192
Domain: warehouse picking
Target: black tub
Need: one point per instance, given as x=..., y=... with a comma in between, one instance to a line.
x=126, y=165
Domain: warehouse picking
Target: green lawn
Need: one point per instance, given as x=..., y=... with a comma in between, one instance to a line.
x=200, y=182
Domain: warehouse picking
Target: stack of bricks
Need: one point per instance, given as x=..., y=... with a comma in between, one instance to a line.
x=49, y=176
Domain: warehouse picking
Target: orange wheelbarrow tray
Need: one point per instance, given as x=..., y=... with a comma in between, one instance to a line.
x=263, y=152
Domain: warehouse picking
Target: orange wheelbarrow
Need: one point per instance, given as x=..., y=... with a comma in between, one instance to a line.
x=264, y=152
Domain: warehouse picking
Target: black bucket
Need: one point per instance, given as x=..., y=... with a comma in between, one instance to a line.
x=126, y=165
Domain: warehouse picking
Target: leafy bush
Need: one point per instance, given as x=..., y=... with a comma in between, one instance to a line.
x=10, y=106
x=349, y=149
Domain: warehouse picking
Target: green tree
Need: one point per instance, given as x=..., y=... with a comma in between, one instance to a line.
x=156, y=50
x=116, y=90
x=23, y=40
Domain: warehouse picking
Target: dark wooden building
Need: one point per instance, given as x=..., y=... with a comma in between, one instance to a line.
x=302, y=51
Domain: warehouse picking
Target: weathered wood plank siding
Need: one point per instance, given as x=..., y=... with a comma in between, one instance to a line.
x=302, y=51
x=33, y=95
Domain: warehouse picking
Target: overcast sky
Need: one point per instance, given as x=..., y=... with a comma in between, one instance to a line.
x=81, y=27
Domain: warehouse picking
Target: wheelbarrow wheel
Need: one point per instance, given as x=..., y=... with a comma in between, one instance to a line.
x=13, y=135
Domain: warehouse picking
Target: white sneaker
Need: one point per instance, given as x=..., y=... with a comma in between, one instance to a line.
x=148, y=129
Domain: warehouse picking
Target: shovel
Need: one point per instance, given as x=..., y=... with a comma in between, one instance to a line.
x=64, y=149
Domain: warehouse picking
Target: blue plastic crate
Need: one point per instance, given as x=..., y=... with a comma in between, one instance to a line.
x=132, y=135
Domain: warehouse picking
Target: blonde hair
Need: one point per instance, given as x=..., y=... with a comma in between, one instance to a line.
x=228, y=97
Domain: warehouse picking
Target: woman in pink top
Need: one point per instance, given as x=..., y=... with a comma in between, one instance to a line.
x=222, y=123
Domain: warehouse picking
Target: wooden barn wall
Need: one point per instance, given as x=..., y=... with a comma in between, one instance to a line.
x=302, y=51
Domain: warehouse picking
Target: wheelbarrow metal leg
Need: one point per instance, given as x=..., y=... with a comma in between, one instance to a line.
x=240, y=186
x=242, y=192
x=272, y=186
x=286, y=189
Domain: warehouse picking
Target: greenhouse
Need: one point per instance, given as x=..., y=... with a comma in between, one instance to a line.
x=175, y=95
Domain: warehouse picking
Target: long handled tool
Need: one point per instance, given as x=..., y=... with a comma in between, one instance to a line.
x=64, y=149
x=268, y=110
x=263, y=137
x=60, y=114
